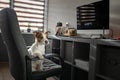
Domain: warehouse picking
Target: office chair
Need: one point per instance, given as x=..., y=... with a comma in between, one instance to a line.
x=19, y=58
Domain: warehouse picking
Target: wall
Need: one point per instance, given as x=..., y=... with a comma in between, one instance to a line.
x=115, y=17
x=65, y=11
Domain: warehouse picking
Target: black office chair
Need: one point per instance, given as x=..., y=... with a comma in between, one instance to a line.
x=19, y=58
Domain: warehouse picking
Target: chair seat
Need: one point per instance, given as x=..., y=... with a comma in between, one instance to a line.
x=49, y=68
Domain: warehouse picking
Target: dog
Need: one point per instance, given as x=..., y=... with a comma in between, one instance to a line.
x=38, y=49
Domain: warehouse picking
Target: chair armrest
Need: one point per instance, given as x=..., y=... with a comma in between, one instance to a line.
x=49, y=55
x=28, y=47
x=52, y=55
x=32, y=58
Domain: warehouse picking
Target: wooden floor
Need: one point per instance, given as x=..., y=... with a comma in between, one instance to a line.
x=4, y=71
x=5, y=74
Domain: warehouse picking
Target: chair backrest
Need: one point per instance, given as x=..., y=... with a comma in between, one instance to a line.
x=14, y=42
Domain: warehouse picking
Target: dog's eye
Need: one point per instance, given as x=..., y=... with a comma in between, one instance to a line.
x=40, y=37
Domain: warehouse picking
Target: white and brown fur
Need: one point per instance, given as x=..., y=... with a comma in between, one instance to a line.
x=38, y=49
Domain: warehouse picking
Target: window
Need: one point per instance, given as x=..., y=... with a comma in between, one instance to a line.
x=4, y=4
x=30, y=13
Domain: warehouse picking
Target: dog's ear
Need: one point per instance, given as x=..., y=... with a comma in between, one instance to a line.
x=35, y=32
x=47, y=32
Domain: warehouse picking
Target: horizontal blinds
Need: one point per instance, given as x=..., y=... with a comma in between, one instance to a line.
x=4, y=4
x=30, y=12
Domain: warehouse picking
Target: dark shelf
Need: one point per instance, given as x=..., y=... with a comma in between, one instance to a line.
x=81, y=51
x=68, y=62
x=82, y=64
x=98, y=77
x=80, y=74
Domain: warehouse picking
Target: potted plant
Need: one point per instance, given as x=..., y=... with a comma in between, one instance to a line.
x=29, y=29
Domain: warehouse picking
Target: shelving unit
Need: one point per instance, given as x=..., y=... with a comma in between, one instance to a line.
x=90, y=59
x=75, y=53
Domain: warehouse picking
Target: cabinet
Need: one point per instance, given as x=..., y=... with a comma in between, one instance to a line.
x=89, y=59
x=108, y=60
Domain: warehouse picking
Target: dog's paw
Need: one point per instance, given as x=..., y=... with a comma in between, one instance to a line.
x=40, y=69
x=41, y=57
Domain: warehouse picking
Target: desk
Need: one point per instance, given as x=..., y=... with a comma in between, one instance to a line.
x=88, y=59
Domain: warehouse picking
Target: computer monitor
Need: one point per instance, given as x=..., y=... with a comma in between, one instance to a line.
x=93, y=18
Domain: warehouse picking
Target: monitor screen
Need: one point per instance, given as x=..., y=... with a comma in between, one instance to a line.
x=93, y=16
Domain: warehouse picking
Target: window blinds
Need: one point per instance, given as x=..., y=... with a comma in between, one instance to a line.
x=30, y=13
x=4, y=4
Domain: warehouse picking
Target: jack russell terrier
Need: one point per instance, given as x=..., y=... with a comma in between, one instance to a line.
x=38, y=49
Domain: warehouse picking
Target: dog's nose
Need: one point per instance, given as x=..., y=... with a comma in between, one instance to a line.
x=46, y=42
